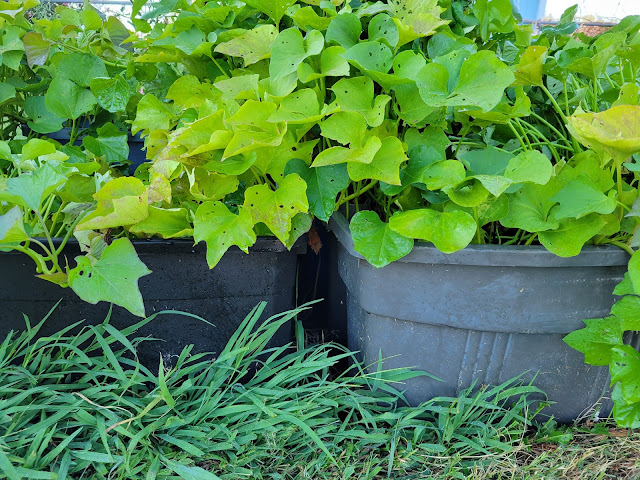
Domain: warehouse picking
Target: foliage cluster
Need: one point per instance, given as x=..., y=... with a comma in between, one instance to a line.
x=447, y=122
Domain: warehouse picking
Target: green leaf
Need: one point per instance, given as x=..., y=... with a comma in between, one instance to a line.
x=187, y=92
x=627, y=415
x=12, y=227
x=596, y=340
x=276, y=208
x=344, y=127
x=120, y=202
x=580, y=197
x=323, y=185
x=110, y=143
x=190, y=473
x=634, y=271
x=242, y=87
x=220, y=229
x=152, y=114
x=307, y=19
x=42, y=120
x=204, y=185
x=370, y=57
x=624, y=368
x=112, y=278
x=65, y=99
x=385, y=165
x=252, y=128
x=448, y=231
x=488, y=161
x=337, y=155
x=482, y=81
x=469, y=193
x=627, y=310
x=35, y=187
x=81, y=68
x=165, y=223
x=445, y=173
x=571, y=235
x=356, y=95
x=494, y=16
x=383, y=29
x=529, y=68
x=332, y=64
x=298, y=107
x=530, y=166
x=253, y=45
x=300, y=224
x=416, y=18
x=7, y=92
x=529, y=208
x=289, y=50
x=37, y=147
x=344, y=30
x=36, y=48
x=375, y=240
x=275, y=9
x=112, y=93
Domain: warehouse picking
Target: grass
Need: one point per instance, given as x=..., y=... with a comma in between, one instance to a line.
x=82, y=406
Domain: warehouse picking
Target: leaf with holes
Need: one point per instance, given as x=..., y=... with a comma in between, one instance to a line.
x=220, y=229
x=252, y=46
x=112, y=278
x=289, y=50
x=277, y=208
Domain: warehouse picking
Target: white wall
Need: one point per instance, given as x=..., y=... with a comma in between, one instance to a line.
x=594, y=9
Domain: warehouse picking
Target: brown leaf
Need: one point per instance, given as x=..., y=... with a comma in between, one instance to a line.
x=314, y=240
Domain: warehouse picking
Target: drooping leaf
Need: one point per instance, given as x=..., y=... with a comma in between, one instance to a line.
x=112, y=278
x=529, y=68
x=375, y=240
x=276, y=208
x=448, y=231
x=615, y=131
x=12, y=227
x=36, y=48
x=165, y=223
x=152, y=114
x=529, y=210
x=120, y=202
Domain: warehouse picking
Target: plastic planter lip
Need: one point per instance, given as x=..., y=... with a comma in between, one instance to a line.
x=186, y=245
x=494, y=255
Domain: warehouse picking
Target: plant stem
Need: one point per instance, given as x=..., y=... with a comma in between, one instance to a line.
x=356, y=194
x=554, y=103
x=517, y=135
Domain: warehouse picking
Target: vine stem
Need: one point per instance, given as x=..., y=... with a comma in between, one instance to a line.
x=356, y=194
x=515, y=132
